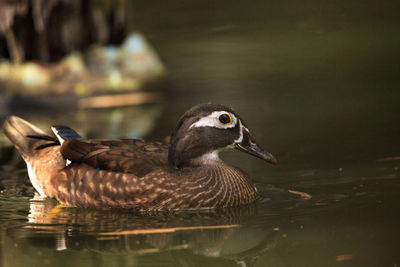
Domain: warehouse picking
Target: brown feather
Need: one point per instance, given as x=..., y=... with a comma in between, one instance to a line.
x=129, y=156
x=205, y=187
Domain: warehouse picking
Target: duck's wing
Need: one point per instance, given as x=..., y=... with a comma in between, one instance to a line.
x=126, y=155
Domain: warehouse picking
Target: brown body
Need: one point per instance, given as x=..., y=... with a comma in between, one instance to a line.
x=163, y=188
x=158, y=190
x=129, y=173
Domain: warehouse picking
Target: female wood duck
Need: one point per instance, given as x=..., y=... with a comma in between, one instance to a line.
x=133, y=174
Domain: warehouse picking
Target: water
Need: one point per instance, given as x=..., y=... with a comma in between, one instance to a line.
x=317, y=84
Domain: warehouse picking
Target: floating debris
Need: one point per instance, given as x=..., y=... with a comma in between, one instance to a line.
x=394, y=158
x=108, y=101
x=344, y=257
x=302, y=195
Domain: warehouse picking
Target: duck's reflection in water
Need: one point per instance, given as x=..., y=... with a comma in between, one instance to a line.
x=226, y=233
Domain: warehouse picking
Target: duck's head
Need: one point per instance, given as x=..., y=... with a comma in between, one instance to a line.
x=205, y=130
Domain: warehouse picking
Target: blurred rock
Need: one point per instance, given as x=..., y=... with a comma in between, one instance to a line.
x=104, y=70
x=134, y=59
x=27, y=75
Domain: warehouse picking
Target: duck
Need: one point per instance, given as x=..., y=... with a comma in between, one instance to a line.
x=184, y=174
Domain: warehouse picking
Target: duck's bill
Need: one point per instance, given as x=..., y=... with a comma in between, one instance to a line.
x=249, y=146
x=255, y=150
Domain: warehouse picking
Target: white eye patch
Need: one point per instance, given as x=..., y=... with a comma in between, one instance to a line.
x=213, y=120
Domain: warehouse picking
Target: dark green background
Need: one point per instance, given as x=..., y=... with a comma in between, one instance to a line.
x=318, y=85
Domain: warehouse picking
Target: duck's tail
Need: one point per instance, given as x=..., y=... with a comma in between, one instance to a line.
x=26, y=137
x=40, y=151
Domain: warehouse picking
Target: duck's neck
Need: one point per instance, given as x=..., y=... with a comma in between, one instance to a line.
x=209, y=158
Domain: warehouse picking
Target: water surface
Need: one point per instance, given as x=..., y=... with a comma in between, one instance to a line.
x=317, y=84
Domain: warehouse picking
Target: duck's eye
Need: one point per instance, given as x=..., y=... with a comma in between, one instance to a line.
x=225, y=118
